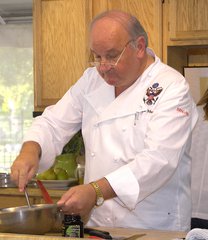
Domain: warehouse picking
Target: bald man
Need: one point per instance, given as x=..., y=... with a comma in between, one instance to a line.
x=136, y=117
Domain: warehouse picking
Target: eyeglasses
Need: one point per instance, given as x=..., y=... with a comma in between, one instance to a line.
x=112, y=62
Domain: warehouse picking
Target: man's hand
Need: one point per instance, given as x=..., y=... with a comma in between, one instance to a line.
x=82, y=198
x=78, y=200
x=26, y=164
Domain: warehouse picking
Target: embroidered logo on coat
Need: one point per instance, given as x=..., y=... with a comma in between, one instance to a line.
x=152, y=94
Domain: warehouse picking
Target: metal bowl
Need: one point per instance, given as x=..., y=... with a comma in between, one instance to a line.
x=39, y=219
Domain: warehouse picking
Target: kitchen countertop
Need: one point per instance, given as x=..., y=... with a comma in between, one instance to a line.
x=116, y=233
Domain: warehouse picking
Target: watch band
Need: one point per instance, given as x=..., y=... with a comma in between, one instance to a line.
x=99, y=195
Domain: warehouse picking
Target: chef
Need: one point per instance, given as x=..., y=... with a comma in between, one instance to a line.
x=136, y=117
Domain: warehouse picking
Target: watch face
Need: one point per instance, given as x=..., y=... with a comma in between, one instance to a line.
x=100, y=201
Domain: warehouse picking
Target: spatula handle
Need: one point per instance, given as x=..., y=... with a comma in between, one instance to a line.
x=45, y=194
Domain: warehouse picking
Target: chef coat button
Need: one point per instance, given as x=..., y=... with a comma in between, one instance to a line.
x=123, y=129
x=108, y=219
x=116, y=159
x=92, y=154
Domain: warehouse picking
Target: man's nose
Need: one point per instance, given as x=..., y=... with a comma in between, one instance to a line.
x=104, y=67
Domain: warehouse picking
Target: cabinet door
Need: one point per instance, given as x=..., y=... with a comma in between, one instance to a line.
x=148, y=12
x=188, y=19
x=60, y=47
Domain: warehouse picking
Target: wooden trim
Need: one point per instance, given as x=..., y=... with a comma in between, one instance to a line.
x=37, y=51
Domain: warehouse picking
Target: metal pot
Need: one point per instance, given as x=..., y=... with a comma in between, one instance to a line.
x=39, y=219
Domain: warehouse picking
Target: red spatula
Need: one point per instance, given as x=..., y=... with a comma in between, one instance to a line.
x=45, y=194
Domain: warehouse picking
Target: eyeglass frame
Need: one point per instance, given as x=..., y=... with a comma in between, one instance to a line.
x=111, y=65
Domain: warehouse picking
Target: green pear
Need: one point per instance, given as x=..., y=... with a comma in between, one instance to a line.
x=40, y=176
x=47, y=175
x=62, y=175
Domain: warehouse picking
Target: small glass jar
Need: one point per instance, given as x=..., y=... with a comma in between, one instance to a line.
x=80, y=173
x=72, y=226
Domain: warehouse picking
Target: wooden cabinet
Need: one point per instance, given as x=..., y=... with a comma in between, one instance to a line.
x=61, y=40
x=184, y=27
x=188, y=19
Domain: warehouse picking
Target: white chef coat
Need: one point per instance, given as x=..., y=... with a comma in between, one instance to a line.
x=199, y=178
x=139, y=141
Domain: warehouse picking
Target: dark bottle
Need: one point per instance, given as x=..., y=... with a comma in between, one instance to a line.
x=72, y=226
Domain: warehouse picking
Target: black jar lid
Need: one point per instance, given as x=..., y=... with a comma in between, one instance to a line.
x=72, y=217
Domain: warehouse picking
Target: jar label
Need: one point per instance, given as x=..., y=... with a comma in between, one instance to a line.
x=73, y=231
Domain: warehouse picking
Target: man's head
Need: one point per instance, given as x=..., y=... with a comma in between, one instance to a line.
x=129, y=22
x=118, y=43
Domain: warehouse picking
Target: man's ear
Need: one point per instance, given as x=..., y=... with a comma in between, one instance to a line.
x=141, y=46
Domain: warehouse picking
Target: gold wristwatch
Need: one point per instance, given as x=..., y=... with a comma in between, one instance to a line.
x=99, y=195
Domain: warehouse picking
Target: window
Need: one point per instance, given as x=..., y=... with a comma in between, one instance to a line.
x=16, y=89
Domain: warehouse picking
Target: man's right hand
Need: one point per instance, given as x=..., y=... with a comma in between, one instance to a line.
x=26, y=164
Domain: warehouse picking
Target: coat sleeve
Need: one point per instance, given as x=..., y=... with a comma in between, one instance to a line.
x=58, y=123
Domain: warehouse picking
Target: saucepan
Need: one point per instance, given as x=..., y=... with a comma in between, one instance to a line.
x=32, y=219
x=37, y=219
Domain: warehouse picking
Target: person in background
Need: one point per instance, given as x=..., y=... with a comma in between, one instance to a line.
x=136, y=117
x=199, y=178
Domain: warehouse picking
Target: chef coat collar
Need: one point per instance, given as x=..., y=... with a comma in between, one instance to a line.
x=129, y=102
